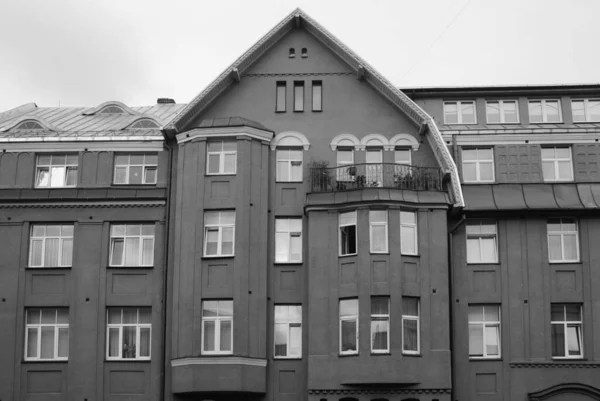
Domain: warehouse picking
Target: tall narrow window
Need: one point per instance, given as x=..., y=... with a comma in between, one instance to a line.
x=317, y=96
x=378, y=230
x=478, y=165
x=129, y=333
x=347, y=233
x=219, y=233
x=563, y=240
x=380, y=325
x=557, y=164
x=288, y=240
x=567, y=341
x=585, y=110
x=46, y=334
x=346, y=170
x=462, y=112
x=411, y=337
x=221, y=157
x=348, y=326
x=374, y=166
x=298, y=95
x=484, y=331
x=132, y=245
x=51, y=245
x=288, y=331
x=135, y=169
x=409, y=238
x=502, y=112
x=544, y=111
x=482, y=246
x=217, y=327
x=280, y=97
x=56, y=171
x=289, y=165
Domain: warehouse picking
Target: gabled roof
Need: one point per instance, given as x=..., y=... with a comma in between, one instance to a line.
x=299, y=18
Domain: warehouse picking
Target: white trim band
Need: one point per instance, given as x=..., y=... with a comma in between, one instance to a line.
x=235, y=360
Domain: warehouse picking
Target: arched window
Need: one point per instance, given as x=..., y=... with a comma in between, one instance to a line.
x=304, y=52
x=145, y=123
x=289, y=147
x=292, y=53
x=112, y=110
x=346, y=141
x=29, y=124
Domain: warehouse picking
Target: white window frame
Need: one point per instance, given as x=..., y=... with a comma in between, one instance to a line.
x=219, y=228
x=562, y=232
x=459, y=117
x=298, y=96
x=383, y=318
x=142, y=238
x=290, y=161
x=586, y=106
x=417, y=318
x=120, y=326
x=343, y=167
x=44, y=239
x=566, y=323
x=146, y=166
x=280, y=96
x=374, y=224
x=478, y=162
x=501, y=111
x=484, y=324
x=414, y=227
x=290, y=235
x=38, y=327
x=556, y=161
x=543, y=103
x=217, y=319
x=349, y=318
x=340, y=225
x=479, y=236
x=288, y=323
x=67, y=166
x=221, y=153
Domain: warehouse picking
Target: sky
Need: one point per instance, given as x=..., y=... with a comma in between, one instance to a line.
x=83, y=53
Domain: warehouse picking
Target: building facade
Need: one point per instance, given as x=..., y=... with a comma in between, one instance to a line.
x=303, y=229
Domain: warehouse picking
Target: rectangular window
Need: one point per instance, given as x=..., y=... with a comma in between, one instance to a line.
x=317, y=96
x=132, y=245
x=51, y=245
x=56, y=170
x=585, y=110
x=478, y=165
x=221, y=157
x=411, y=337
x=380, y=325
x=484, y=331
x=348, y=326
x=289, y=165
x=563, y=241
x=288, y=331
x=482, y=245
x=298, y=95
x=502, y=112
x=345, y=161
x=219, y=233
x=462, y=112
x=217, y=327
x=374, y=166
x=408, y=233
x=135, y=169
x=288, y=240
x=46, y=334
x=557, y=164
x=378, y=231
x=280, y=97
x=567, y=341
x=544, y=111
x=129, y=333
x=347, y=222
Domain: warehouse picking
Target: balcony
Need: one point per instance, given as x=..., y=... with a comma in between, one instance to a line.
x=375, y=175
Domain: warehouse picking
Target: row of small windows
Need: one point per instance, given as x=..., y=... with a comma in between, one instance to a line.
x=507, y=111
x=292, y=52
x=298, y=100
x=144, y=123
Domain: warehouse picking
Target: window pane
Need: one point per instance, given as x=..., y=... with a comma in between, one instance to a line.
x=410, y=335
x=347, y=218
x=229, y=163
x=468, y=113
x=380, y=306
x=564, y=170
x=407, y=238
x=410, y=306
x=348, y=335
x=135, y=174
x=32, y=341
x=510, y=112
x=213, y=163
x=57, y=177
x=491, y=341
x=150, y=177
x=129, y=342
x=130, y=315
x=283, y=171
x=296, y=248
x=349, y=307
x=113, y=342
x=488, y=250
x=552, y=112
x=227, y=246
x=225, y=308
x=473, y=252
x=535, y=112
x=144, y=342
x=36, y=253
x=408, y=217
x=492, y=313
x=450, y=113
x=133, y=229
x=316, y=97
x=469, y=172
x=379, y=334
x=215, y=146
x=280, y=102
x=486, y=172
x=225, y=335
x=298, y=97
x=51, y=252
x=493, y=112
x=295, y=340
x=475, y=340
x=594, y=110
x=573, y=312
x=573, y=339
x=348, y=237
x=212, y=236
x=132, y=251
x=558, y=340
x=117, y=245
x=296, y=171
x=47, y=343
x=578, y=110
x=63, y=342
x=557, y=312
x=378, y=238
x=67, y=252
x=554, y=248
x=148, y=251
x=570, y=247
x=475, y=313
x=281, y=339
x=145, y=316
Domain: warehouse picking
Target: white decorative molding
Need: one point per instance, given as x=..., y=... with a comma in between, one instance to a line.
x=404, y=140
x=374, y=140
x=225, y=360
x=225, y=132
x=70, y=144
x=290, y=138
x=521, y=139
x=347, y=140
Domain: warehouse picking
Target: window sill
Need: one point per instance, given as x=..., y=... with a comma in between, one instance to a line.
x=386, y=353
x=130, y=267
x=288, y=263
x=482, y=263
x=558, y=181
x=414, y=255
x=379, y=253
x=220, y=174
x=347, y=355
x=298, y=111
x=501, y=123
x=349, y=254
x=484, y=359
x=32, y=361
x=72, y=187
x=564, y=262
x=289, y=182
x=287, y=358
x=218, y=256
x=48, y=267
x=128, y=360
x=478, y=182
x=417, y=355
x=134, y=185
x=279, y=111
x=317, y=111
x=567, y=359
x=209, y=355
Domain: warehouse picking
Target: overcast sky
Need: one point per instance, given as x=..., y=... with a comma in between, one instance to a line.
x=82, y=53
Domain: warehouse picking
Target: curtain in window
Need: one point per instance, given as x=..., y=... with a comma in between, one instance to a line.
x=132, y=251
x=379, y=333
x=71, y=176
x=67, y=252
x=117, y=252
x=227, y=246
x=51, y=254
x=558, y=340
x=212, y=235
x=36, y=252
x=129, y=342
x=47, y=343
x=410, y=335
x=32, y=340
x=573, y=338
x=63, y=342
x=225, y=335
x=348, y=335
x=148, y=251
x=113, y=342
x=43, y=177
x=57, y=176
x=209, y=335
x=144, y=342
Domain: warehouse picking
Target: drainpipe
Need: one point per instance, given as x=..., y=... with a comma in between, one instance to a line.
x=450, y=296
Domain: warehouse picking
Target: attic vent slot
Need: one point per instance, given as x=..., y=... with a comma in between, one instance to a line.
x=292, y=53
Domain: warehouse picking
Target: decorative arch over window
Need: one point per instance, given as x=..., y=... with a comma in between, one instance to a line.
x=566, y=388
x=345, y=140
x=404, y=140
x=111, y=107
x=375, y=140
x=29, y=123
x=144, y=123
x=290, y=138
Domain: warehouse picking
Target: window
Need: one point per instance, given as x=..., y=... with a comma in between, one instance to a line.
x=112, y=110
x=403, y=167
x=374, y=166
x=289, y=165
x=402, y=156
x=217, y=327
x=317, y=96
x=585, y=110
x=288, y=240
x=129, y=333
x=378, y=231
x=51, y=245
x=544, y=111
x=221, y=157
x=563, y=240
x=348, y=326
x=411, y=338
x=131, y=245
x=567, y=339
x=380, y=325
x=135, y=169
x=408, y=233
x=459, y=112
x=484, y=331
x=347, y=233
x=288, y=331
x=29, y=125
x=144, y=124
x=557, y=164
x=482, y=245
x=219, y=233
x=56, y=171
x=292, y=53
x=478, y=165
x=502, y=112
x=298, y=95
x=46, y=334
x=280, y=97
x=304, y=52
x=345, y=157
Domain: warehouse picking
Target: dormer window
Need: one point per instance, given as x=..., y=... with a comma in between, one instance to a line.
x=292, y=53
x=304, y=52
x=112, y=110
x=144, y=124
x=29, y=124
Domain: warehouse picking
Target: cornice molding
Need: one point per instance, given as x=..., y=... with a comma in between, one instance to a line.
x=131, y=144
x=521, y=139
x=219, y=360
x=379, y=391
x=556, y=365
x=63, y=204
x=225, y=132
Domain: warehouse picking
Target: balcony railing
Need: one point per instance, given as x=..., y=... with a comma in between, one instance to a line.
x=375, y=175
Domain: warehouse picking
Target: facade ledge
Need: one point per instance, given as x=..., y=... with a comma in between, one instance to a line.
x=379, y=390
x=557, y=364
